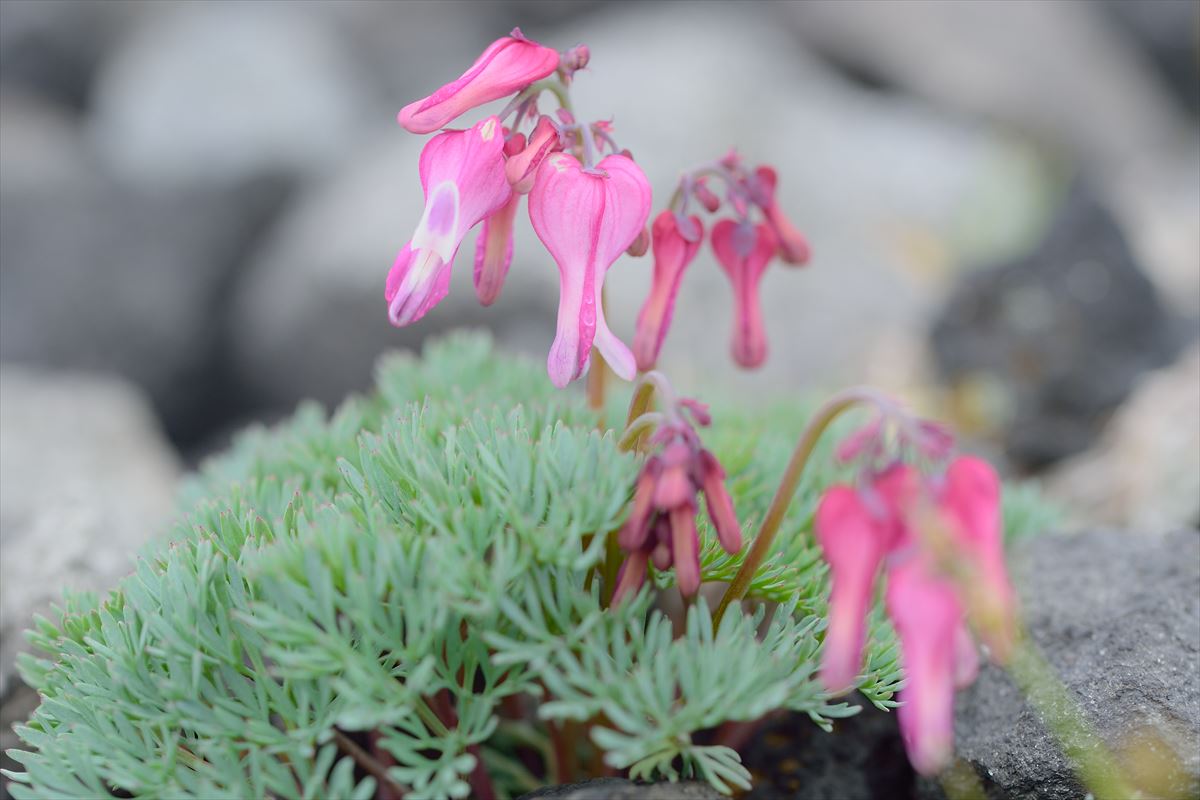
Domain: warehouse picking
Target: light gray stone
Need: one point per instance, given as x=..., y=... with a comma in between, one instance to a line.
x=219, y=92
x=87, y=479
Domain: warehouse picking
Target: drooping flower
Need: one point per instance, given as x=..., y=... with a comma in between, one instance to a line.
x=508, y=65
x=661, y=528
x=462, y=174
x=744, y=252
x=586, y=218
x=793, y=246
x=939, y=540
x=672, y=254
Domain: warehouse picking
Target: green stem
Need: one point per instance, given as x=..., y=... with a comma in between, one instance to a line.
x=1061, y=715
x=761, y=547
x=636, y=431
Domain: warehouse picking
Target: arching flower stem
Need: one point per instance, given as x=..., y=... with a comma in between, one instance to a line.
x=761, y=547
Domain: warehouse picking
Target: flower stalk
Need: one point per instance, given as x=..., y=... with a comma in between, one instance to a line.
x=811, y=434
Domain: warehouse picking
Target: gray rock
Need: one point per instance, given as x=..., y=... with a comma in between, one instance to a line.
x=218, y=93
x=87, y=479
x=1118, y=618
x=621, y=789
x=99, y=275
x=1060, y=336
x=1166, y=32
x=1062, y=71
x=53, y=49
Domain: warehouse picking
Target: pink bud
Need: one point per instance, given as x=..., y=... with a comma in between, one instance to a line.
x=745, y=272
x=793, y=247
x=634, y=533
x=705, y=196
x=640, y=245
x=685, y=547
x=720, y=504
x=586, y=219
x=522, y=166
x=672, y=255
x=574, y=60
x=631, y=576
x=506, y=66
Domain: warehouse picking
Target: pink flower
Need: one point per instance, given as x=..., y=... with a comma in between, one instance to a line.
x=494, y=251
x=662, y=523
x=793, y=246
x=940, y=540
x=744, y=253
x=522, y=166
x=506, y=66
x=586, y=219
x=672, y=254
x=462, y=174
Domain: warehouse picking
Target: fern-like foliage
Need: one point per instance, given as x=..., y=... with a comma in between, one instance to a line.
x=335, y=584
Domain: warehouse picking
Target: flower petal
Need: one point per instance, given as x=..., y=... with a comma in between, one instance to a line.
x=672, y=255
x=749, y=344
x=506, y=66
x=852, y=540
x=494, y=251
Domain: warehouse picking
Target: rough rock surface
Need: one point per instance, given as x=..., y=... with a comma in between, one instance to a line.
x=1059, y=336
x=87, y=479
x=621, y=789
x=1118, y=617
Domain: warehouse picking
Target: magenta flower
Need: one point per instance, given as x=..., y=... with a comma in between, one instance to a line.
x=661, y=528
x=672, y=254
x=793, y=246
x=506, y=66
x=586, y=218
x=744, y=252
x=462, y=174
x=940, y=541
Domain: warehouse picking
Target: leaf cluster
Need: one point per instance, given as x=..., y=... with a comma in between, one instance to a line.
x=361, y=597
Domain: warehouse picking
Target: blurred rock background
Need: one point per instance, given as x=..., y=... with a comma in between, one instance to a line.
x=199, y=203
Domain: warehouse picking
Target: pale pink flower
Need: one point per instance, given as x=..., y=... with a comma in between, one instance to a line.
x=587, y=218
x=672, y=254
x=494, y=251
x=744, y=252
x=462, y=174
x=508, y=65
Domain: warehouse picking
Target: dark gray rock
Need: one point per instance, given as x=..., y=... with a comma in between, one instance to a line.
x=1166, y=32
x=1062, y=335
x=98, y=275
x=1118, y=618
x=621, y=789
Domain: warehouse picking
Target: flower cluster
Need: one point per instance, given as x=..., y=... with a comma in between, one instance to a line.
x=588, y=203
x=743, y=247
x=661, y=528
x=938, y=538
x=587, y=210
